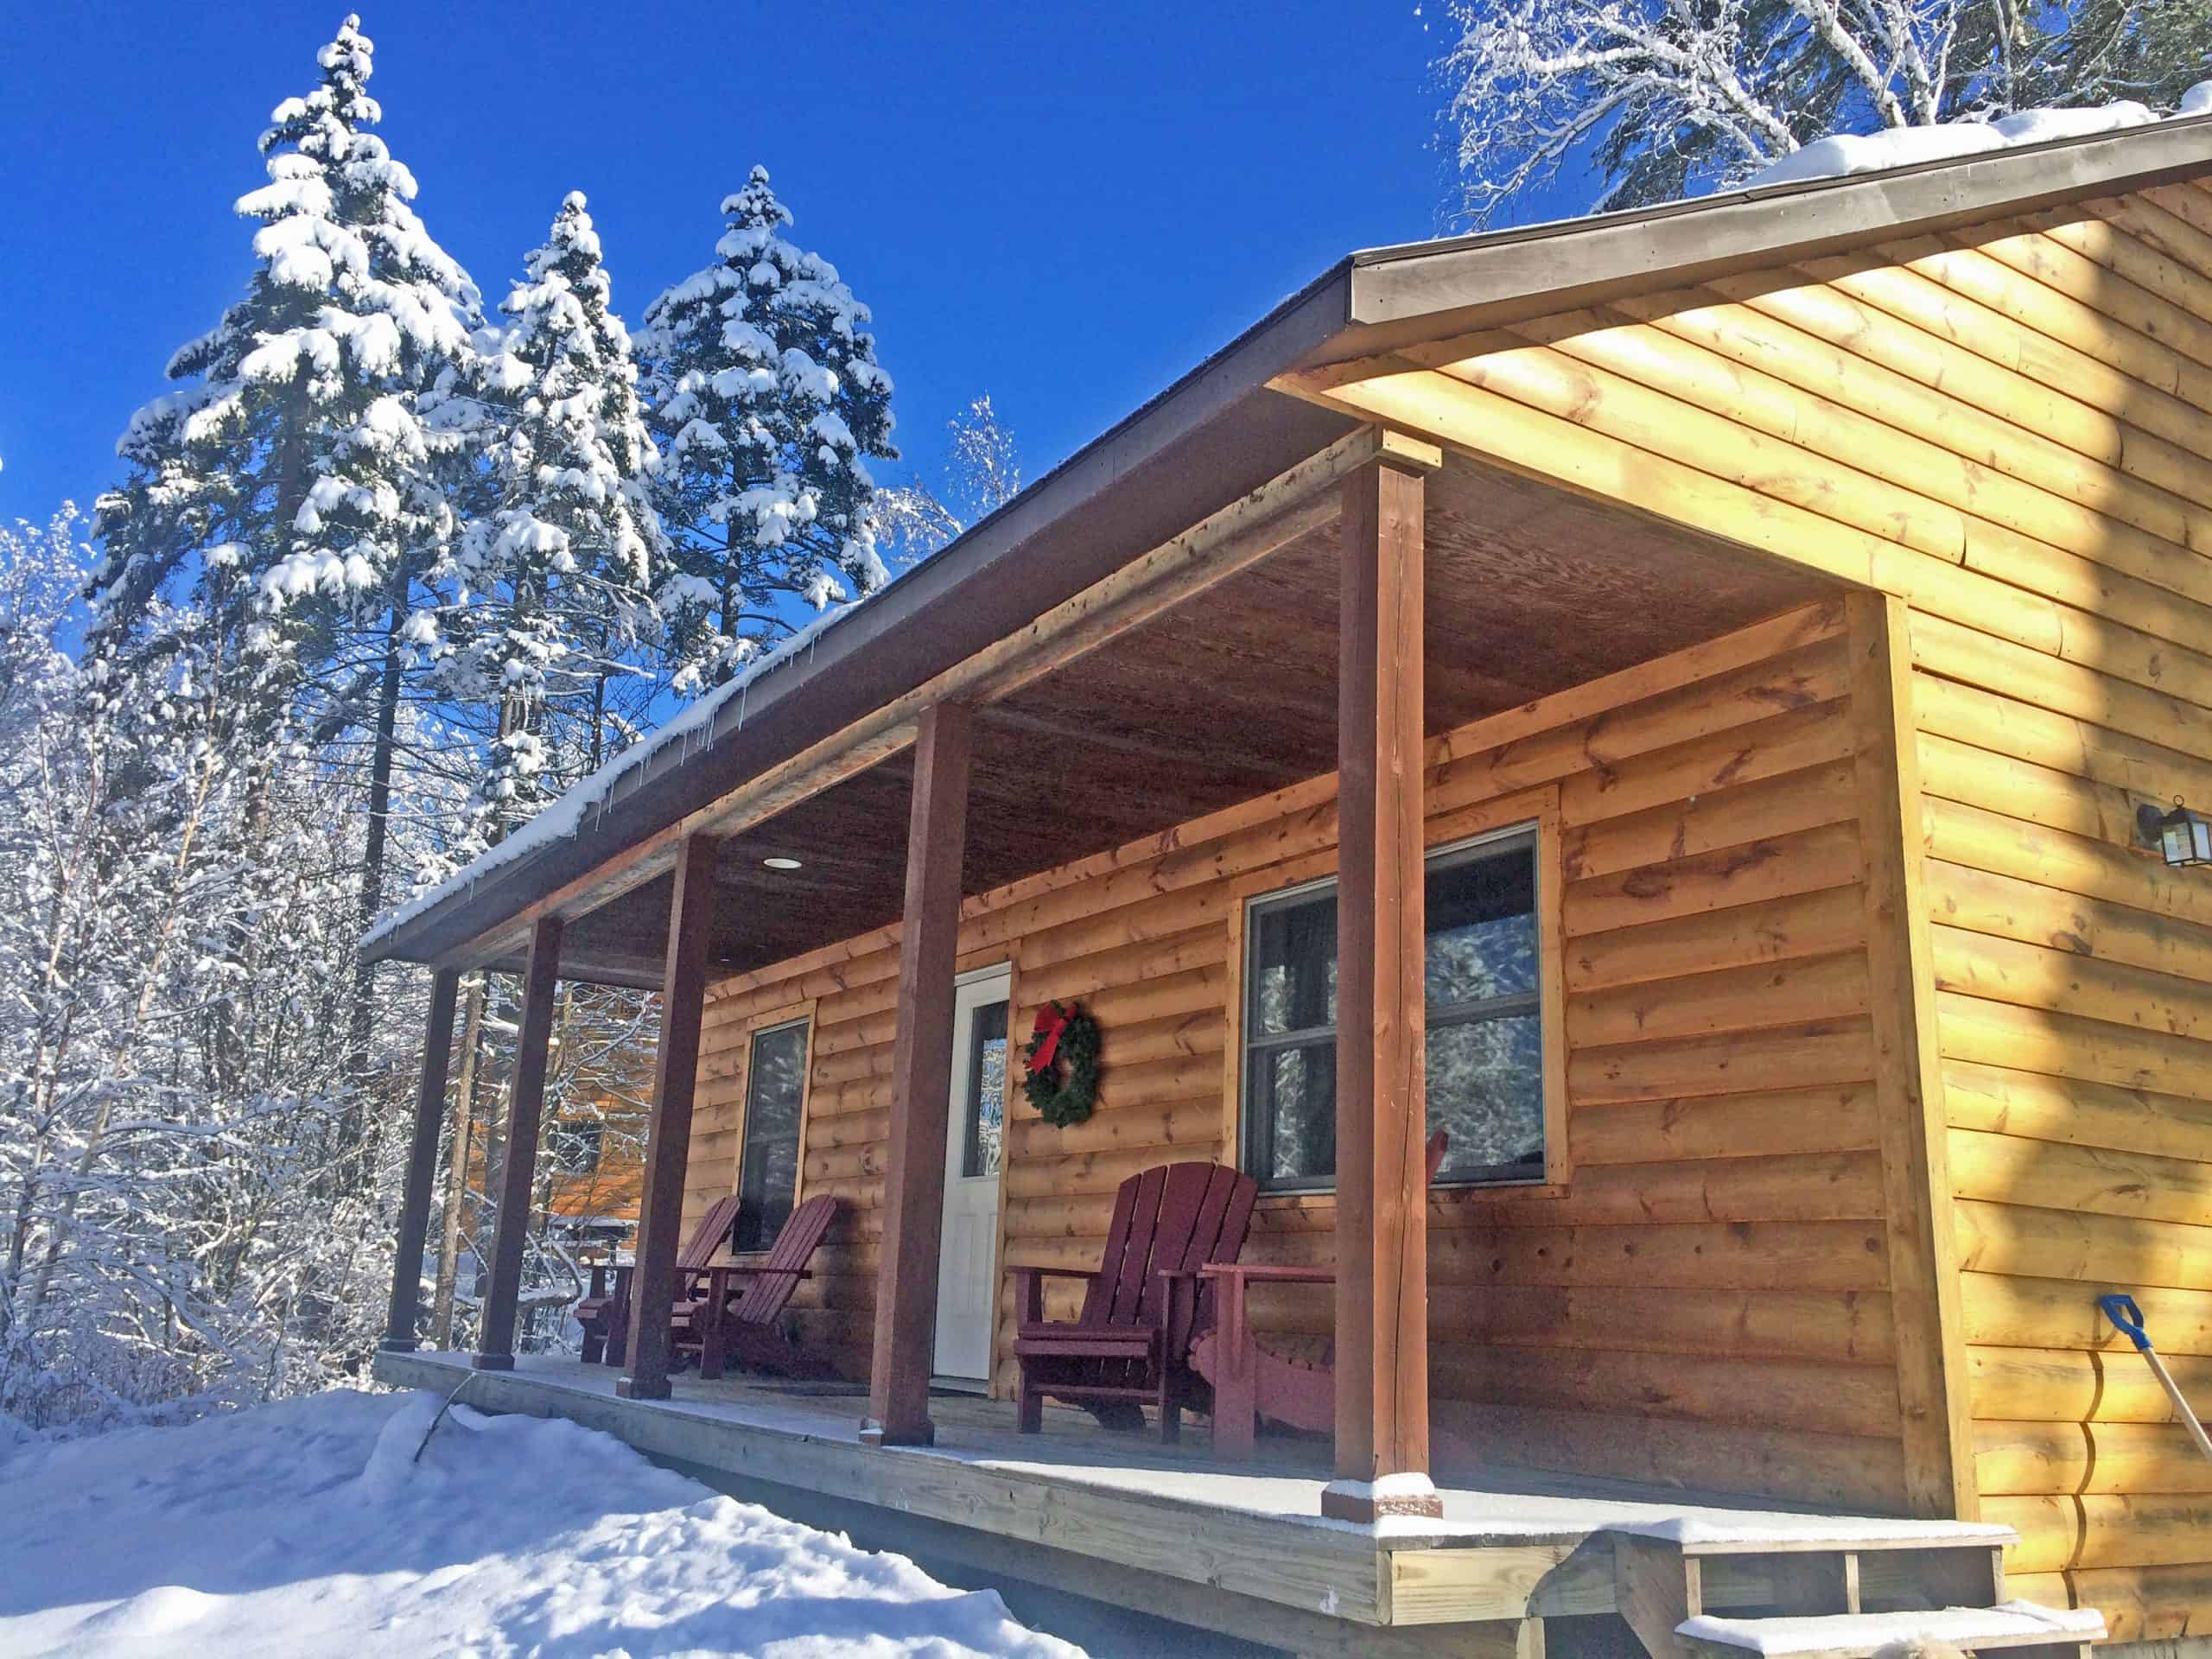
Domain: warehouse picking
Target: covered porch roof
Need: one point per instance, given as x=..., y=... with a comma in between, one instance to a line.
x=1531, y=589
x=1225, y=697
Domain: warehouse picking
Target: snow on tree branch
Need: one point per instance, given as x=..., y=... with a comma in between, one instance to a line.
x=1654, y=99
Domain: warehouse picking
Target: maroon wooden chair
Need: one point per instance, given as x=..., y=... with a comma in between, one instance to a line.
x=1128, y=1347
x=1250, y=1380
x=739, y=1319
x=605, y=1313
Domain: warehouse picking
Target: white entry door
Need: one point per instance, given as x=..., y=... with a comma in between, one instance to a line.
x=966, y=1297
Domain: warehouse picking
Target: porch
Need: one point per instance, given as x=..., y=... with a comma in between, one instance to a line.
x=1120, y=1517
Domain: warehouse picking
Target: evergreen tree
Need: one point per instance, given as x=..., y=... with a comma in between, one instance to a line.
x=557, y=571
x=292, y=465
x=767, y=401
x=291, y=495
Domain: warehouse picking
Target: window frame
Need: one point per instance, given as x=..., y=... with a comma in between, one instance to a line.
x=1534, y=814
x=767, y=1025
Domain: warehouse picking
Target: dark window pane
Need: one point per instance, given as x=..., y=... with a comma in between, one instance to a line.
x=1486, y=1089
x=767, y=1177
x=1485, y=1052
x=1482, y=928
x=577, y=1144
x=986, y=1101
x=1294, y=967
x=1294, y=1112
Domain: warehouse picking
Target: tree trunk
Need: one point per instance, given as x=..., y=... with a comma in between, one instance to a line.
x=372, y=856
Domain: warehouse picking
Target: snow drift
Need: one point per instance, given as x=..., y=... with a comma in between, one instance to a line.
x=309, y=1527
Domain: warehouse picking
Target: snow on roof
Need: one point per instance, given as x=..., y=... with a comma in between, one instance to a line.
x=565, y=817
x=1874, y=152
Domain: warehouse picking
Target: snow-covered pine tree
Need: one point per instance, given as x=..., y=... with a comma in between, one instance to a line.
x=1661, y=98
x=555, y=573
x=767, y=402
x=291, y=494
x=289, y=465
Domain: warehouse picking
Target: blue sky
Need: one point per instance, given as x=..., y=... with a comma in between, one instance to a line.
x=1064, y=207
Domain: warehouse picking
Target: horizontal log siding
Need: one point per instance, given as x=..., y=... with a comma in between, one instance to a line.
x=2009, y=427
x=1705, y=1301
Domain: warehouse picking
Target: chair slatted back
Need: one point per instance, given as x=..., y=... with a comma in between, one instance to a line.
x=801, y=1236
x=709, y=1236
x=1171, y=1217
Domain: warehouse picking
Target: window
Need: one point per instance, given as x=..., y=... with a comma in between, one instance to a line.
x=983, y=1119
x=1485, y=1051
x=767, y=1166
x=575, y=1146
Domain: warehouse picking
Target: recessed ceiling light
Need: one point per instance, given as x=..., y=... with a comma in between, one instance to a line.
x=780, y=863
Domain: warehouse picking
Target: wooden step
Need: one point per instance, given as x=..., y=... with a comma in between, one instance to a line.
x=2020, y=1628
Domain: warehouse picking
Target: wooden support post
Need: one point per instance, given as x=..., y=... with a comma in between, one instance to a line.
x=1382, y=1315
x=921, y=1086
x=422, y=1164
x=495, y=1339
x=668, y=1139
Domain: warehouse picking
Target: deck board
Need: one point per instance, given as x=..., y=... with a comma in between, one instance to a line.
x=1521, y=1544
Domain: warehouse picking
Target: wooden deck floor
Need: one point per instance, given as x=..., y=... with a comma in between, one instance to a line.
x=1121, y=1517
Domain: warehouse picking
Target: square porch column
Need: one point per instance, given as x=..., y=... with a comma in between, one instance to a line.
x=495, y=1337
x=921, y=1086
x=422, y=1165
x=668, y=1137
x=1382, y=1312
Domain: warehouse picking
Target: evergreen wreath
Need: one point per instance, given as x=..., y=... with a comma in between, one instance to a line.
x=1062, y=1061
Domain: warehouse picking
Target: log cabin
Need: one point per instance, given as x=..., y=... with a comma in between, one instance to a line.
x=1683, y=699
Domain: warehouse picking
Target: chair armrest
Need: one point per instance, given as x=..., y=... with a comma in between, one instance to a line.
x=1029, y=1288
x=1258, y=1273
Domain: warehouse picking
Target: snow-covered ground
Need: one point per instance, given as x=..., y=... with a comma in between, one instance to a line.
x=309, y=1528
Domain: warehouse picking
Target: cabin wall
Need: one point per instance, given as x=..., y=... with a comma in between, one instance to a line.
x=2007, y=428
x=1700, y=1296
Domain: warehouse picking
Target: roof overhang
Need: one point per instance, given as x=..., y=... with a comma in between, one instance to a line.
x=1221, y=431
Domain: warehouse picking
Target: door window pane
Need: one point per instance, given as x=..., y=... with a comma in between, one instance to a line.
x=767, y=1171
x=985, y=1106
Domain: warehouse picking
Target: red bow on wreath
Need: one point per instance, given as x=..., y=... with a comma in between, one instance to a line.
x=1045, y=1035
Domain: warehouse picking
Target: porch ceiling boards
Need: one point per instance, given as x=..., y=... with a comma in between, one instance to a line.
x=1226, y=697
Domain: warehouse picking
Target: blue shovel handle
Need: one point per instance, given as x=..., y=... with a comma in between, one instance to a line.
x=2127, y=1319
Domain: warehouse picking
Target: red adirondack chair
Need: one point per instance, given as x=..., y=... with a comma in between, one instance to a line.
x=1250, y=1381
x=1128, y=1346
x=605, y=1314
x=739, y=1318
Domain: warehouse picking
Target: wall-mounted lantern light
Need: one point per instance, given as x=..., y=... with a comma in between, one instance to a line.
x=2183, y=838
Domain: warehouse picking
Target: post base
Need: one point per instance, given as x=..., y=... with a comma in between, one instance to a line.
x=1366, y=1502
x=493, y=1362
x=398, y=1345
x=875, y=1433
x=642, y=1388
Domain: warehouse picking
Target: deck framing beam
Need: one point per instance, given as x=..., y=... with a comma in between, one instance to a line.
x=1381, y=1306
x=668, y=1136
x=921, y=1084
x=421, y=1164
x=495, y=1341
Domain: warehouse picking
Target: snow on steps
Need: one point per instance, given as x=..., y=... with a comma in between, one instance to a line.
x=2010, y=1626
